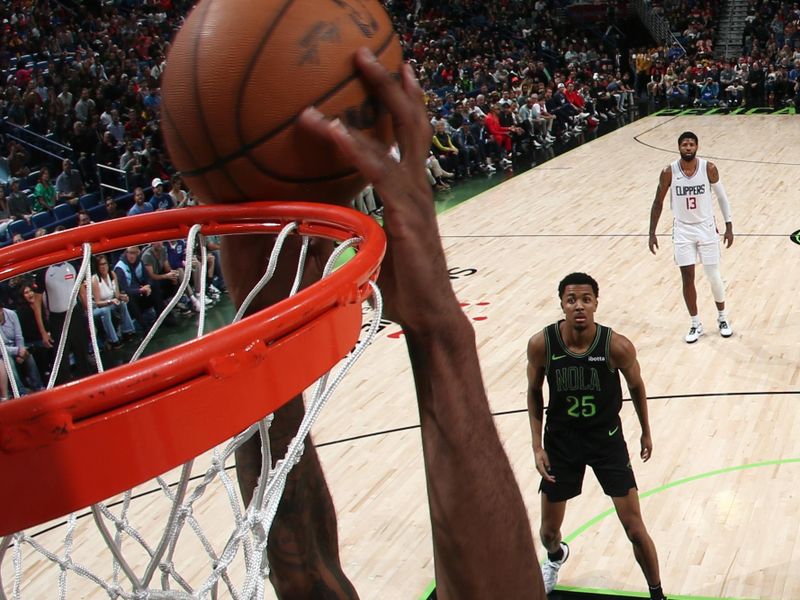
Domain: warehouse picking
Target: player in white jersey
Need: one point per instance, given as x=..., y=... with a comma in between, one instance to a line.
x=690, y=181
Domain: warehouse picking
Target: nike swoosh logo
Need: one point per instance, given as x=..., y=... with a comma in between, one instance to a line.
x=613, y=431
x=554, y=357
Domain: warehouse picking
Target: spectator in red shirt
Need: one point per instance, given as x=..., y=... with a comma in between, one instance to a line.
x=501, y=135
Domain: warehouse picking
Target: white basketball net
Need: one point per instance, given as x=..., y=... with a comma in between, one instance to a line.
x=183, y=560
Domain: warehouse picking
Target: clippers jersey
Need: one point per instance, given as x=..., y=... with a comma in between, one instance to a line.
x=585, y=391
x=691, y=196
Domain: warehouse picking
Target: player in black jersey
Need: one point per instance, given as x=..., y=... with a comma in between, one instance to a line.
x=581, y=361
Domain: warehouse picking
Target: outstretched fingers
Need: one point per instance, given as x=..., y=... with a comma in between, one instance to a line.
x=364, y=153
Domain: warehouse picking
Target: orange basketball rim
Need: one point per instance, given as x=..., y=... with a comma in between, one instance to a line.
x=77, y=444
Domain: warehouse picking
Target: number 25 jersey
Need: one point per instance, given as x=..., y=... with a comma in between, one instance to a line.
x=585, y=391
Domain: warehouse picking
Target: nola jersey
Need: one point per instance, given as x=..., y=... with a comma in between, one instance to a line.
x=585, y=391
x=691, y=196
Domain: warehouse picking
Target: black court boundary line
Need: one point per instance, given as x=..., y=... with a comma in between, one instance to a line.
x=593, y=235
x=516, y=411
x=740, y=160
x=364, y=436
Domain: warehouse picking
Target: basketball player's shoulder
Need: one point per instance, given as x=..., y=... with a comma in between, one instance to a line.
x=711, y=171
x=622, y=350
x=537, y=347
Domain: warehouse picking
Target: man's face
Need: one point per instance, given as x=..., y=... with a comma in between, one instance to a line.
x=579, y=304
x=132, y=255
x=688, y=149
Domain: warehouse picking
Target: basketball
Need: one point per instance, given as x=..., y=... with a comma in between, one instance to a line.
x=238, y=75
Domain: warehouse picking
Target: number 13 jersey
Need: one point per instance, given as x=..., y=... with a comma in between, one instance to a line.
x=691, y=196
x=585, y=392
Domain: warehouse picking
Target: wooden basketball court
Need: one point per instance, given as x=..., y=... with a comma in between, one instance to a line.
x=719, y=495
x=720, y=500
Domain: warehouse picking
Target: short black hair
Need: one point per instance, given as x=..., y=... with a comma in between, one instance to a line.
x=687, y=135
x=578, y=279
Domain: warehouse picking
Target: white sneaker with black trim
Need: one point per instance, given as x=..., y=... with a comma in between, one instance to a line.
x=725, y=328
x=695, y=331
x=550, y=569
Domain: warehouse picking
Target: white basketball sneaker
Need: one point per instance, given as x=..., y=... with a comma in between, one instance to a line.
x=695, y=331
x=550, y=569
x=725, y=328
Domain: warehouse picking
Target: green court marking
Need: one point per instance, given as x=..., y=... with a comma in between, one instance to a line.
x=428, y=591
x=611, y=511
x=601, y=592
x=595, y=520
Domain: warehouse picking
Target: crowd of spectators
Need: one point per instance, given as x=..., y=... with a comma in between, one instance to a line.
x=763, y=74
x=129, y=290
x=503, y=80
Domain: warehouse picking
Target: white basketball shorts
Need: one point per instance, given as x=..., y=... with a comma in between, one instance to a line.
x=691, y=240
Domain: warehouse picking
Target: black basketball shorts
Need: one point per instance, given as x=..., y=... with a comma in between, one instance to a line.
x=571, y=450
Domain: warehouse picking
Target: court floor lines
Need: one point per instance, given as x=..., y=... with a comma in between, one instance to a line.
x=714, y=405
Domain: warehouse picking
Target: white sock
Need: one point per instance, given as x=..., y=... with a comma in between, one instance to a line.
x=695, y=320
x=723, y=315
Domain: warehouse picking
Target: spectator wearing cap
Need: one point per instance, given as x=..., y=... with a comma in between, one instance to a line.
x=160, y=200
x=69, y=184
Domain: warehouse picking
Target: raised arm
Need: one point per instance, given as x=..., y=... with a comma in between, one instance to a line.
x=483, y=547
x=623, y=357
x=664, y=181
